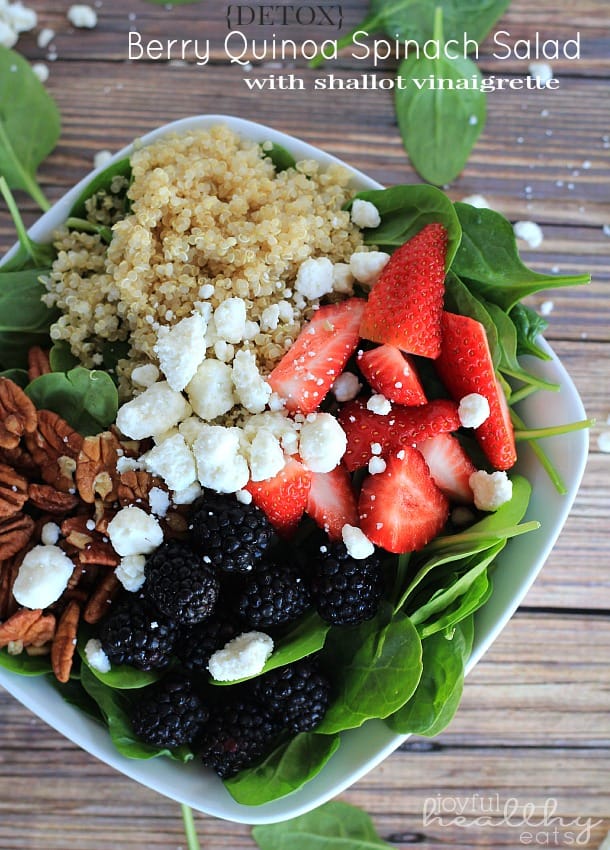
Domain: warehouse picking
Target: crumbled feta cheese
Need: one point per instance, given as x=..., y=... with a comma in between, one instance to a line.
x=8, y=36
x=322, y=443
x=251, y=389
x=173, y=461
x=541, y=71
x=145, y=375
x=343, y=279
x=43, y=576
x=158, y=501
x=530, y=232
x=356, y=542
x=224, y=351
x=365, y=214
x=477, y=201
x=283, y=428
x=379, y=404
x=128, y=464
x=130, y=572
x=156, y=410
x=101, y=158
x=603, y=442
x=41, y=70
x=82, y=16
x=220, y=465
x=286, y=311
x=546, y=308
x=473, y=410
x=210, y=391
x=276, y=402
x=188, y=495
x=244, y=497
x=252, y=330
x=270, y=317
x=45, y=37
x=377, y=465
x=20, y=18
x=96, y=657
x=134, y=532
x=230, y=320
x=266, y=456
x=366, y=266
x=490, y=490
x=243, y=656
x=314, y=278
x=50, y=533
x=346, y=387
x=181, y=349
x=191, y=428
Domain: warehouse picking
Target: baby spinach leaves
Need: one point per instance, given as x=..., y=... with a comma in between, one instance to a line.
x=29, y=124
x=100, y=183
x=86, y=399
x=279, y=156
x=24, y=664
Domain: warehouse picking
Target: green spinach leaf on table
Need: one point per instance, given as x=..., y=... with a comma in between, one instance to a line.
x=86, y=399
x=29, y=124
x=288, y=767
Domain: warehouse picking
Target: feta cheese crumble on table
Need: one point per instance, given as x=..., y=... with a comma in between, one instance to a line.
x=82, y=16
x=530, y=232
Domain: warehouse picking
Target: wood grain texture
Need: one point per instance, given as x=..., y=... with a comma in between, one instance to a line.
x=534, y=723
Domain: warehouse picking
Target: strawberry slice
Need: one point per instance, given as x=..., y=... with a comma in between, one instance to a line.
x=401, y=427
x=332, y=501
x=392, y=373
x=405, y=305
x=283, y=498
x=465, y=366
x=317, y=357
x=449, y=466
x=401, y=509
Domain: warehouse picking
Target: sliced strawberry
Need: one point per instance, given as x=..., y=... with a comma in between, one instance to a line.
x=465, y=366
x=392, y=373
x=401, y=427
x=401, y=509
x=283, y=498
x=449, y=466
x=405, y=305
x=317, y=357
x=332, y=501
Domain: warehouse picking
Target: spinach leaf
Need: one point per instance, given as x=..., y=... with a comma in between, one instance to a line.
x=405, y=210
x=21, y=308
x=376, y=667
x=288, y=767
x=529, y=324
x=279, y=156
x=17, y=376
x=439, y=125
x=305, y=638
x=100, y=183
x=14, y=349
x=112, y=352
x=24, y=664
x=83, y=225
x=121, y=676
x=439, y=691
x=459, y=299
x=30, y=254
x=61, y=358
x=489, y=262
x=87, y=399
x=333, y=826
x=414, y=19
x=29, y=124
x=74, y=694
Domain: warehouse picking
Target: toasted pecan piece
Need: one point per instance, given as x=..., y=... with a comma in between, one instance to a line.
x=96, y=473
x=38, y=362
x=15, y=533
x=13, y=491
x=55, y=446
x=17, y=625
x=17, y=414
x=40, y=632
x=134, y=487
x=64, y=642
x=101, y=598
x=52, y=501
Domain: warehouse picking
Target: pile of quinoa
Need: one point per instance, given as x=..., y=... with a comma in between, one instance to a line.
x=209, y=219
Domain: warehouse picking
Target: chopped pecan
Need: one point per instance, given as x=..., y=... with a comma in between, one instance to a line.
x=64, y=642
x=17, y=414
x=20, y=460
x=101, y=598
x=13, y=491
x=99, y=552
x=8, y=574
x=47, y=498
x=17, y=626
x=38, y=362
x=78, y=530
x=134, y=487
x=96, y=473
x=55, y=446
x=15, y=534
x=40, y=632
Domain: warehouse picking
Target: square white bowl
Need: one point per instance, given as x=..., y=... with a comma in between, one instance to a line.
x=517, y=567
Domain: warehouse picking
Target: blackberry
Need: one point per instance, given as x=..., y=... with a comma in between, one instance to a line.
x=234, y=536
x=346, y=590
x=136, y=633
x=297, y=695
x=168, y=714
x=273, y=596
x=180, y=583
x=197, y=643
x=235, y=736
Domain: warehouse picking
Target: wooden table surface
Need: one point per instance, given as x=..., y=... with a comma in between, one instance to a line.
x=535, y=719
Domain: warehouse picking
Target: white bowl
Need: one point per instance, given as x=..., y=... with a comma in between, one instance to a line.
x=364, y=748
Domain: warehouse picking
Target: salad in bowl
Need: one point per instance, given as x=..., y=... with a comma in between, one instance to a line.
x=270, y=475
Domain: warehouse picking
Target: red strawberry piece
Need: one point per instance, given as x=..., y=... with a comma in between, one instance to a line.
x=402, y=509
x=405, y=305
x=317, y=357
x=403, y=426
x=283, y=498
x=392, y=373
x=332, y=501
x=449, y=466
x=465, y=366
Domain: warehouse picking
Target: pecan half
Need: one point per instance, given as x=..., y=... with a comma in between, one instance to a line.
x=17, y=414
x=96, y=473
x=52, y=501
x=8, y=574
x=17, y=626
x=99, y=552
x=20, y=460
x=64, y=642
x=38, y=362
x=15, y=534
x=101, y=598
x=55, y=446
x=134, y=487
x=40, y=632
x=13, y=491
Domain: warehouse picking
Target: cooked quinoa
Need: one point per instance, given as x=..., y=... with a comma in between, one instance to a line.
x=210, y=219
